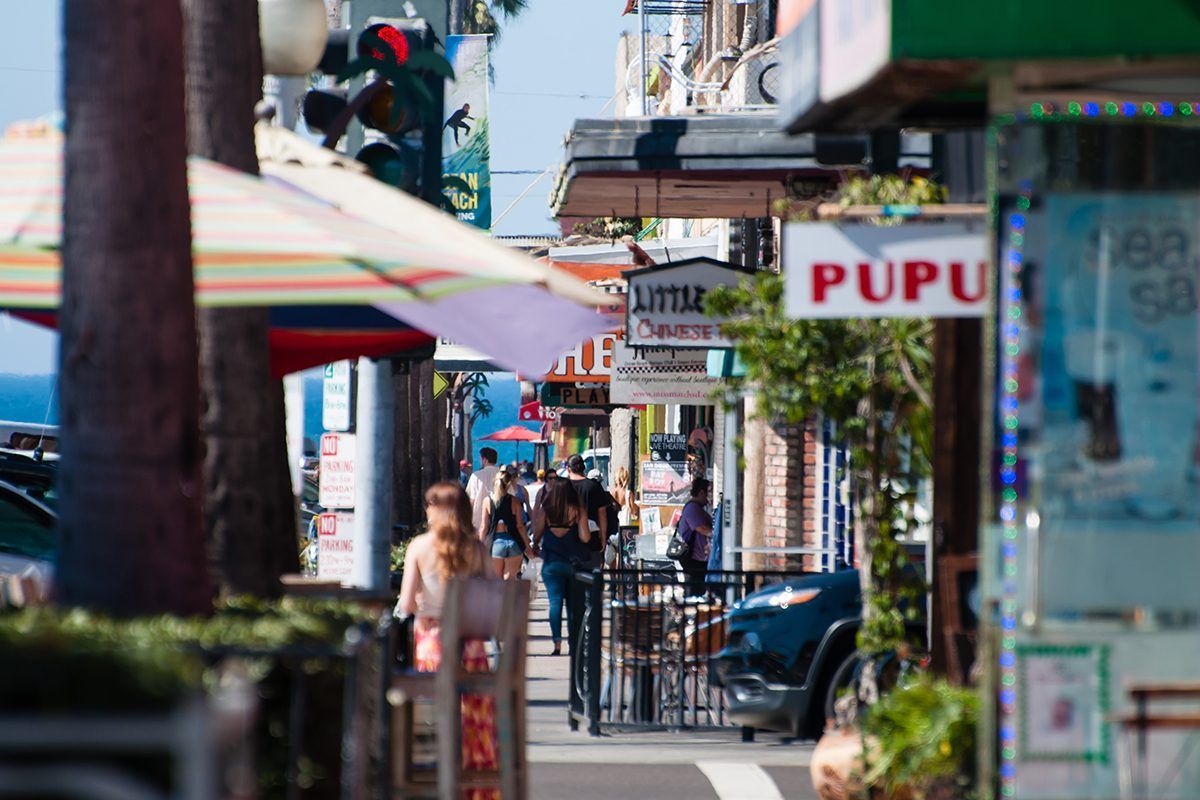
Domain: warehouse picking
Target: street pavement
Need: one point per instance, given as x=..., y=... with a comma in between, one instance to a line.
x=703, y=765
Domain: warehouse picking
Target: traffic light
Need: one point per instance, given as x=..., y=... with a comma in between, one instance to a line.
x=400, y=102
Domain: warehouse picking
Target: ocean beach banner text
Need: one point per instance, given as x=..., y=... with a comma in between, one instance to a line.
x=466, y=150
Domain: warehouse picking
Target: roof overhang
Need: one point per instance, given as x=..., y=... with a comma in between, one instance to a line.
x=702, y=166
x=929, y=63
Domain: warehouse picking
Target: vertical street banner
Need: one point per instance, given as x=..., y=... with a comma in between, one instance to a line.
x=466, y=149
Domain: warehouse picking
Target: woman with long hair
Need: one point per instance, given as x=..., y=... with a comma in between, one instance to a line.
x=621, y=493
x=503, y=528
x=450, y=550
x=560, y=530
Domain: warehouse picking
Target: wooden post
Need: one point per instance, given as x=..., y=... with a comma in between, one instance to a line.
x=957, y=460
x=754, y=503
x=431, y=470
x=402, y=508
x=413, y=444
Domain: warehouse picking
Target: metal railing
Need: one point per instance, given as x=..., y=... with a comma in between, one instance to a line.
x=640, y=648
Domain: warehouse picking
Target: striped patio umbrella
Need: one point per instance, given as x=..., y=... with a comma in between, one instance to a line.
x=259, y=244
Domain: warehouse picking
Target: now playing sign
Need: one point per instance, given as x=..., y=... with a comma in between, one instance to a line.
x=871, y=272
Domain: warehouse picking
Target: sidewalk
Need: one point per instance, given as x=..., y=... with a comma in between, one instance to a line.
x=552, y=742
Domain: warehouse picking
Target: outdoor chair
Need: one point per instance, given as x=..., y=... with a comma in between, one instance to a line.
x=489, y=610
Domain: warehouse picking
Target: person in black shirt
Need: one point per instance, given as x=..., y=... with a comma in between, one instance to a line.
x=595, y=502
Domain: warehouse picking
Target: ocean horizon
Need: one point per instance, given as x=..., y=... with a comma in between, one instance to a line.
x=33, y=398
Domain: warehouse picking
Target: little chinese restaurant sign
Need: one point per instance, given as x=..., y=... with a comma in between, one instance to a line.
x=665, y=304
x=872, y=272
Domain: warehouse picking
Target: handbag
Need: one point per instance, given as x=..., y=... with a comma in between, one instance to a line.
x=677, y=548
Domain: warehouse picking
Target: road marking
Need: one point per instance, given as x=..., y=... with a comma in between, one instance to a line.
x=739, y=781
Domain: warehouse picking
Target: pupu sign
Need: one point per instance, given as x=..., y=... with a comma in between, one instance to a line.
x=872, y=272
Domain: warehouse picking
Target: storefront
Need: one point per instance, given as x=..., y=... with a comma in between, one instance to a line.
x=1090, y=522
x=1094, y=530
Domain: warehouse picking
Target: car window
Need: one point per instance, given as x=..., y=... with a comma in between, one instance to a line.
x=23, y=531
x=36, y=488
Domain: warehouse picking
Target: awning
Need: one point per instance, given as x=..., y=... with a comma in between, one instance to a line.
x=720, y=166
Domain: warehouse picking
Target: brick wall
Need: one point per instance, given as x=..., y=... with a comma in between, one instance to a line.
x=789, y=489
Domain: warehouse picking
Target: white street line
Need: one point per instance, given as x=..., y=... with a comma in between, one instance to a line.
x=739, y=781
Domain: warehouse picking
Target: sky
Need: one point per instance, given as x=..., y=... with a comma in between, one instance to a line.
x=552, y=65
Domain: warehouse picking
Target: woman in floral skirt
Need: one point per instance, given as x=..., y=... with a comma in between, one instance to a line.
x=450, y=550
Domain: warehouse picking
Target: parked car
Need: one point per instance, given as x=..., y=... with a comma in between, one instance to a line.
x=34, y=477
x=28, y=540
x=784, y=647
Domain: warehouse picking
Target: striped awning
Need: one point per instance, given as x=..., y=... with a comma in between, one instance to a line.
x=276, y=243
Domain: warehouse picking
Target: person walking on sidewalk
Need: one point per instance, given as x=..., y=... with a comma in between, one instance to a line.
x=535, y=488
x=595, y=504
x=479, y=485
x=504, y=527
x=450, y=550
x=560, y=533
x=628, y=507
x=696, y=528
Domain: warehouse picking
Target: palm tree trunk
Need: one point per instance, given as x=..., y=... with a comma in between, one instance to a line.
x=131, y=535
x=250, y=512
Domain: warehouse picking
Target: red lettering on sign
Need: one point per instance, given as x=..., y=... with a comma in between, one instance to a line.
x=865, y=284
x=329, y=445
x=957, y=279
x=916, y=275
x=824, y=276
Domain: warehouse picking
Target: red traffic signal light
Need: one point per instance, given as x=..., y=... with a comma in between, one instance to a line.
x=385, y=43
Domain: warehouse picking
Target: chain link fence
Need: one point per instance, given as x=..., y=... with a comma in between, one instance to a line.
x=702, y=54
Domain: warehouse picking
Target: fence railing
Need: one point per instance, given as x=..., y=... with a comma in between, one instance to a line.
x=640, y=649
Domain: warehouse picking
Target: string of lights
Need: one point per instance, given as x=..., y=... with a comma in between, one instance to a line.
x=1013, y=308
x=1112, y=108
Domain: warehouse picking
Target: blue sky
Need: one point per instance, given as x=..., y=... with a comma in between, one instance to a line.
x=553, y=65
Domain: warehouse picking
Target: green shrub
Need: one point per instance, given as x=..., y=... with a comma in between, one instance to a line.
x=924, y=739
x=56, y=660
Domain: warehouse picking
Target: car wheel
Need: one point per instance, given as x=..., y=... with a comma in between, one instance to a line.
x=842, y=678
x=836, y=675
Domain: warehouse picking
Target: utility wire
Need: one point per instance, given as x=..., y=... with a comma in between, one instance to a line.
x=554, y=94
x=548, y=169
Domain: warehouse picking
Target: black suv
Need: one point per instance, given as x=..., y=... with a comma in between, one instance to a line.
x=785, y=645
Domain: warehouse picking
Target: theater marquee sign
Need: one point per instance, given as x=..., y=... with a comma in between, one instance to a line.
x=665, y=305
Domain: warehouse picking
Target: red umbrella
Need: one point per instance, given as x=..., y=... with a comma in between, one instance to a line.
x=513, y=433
